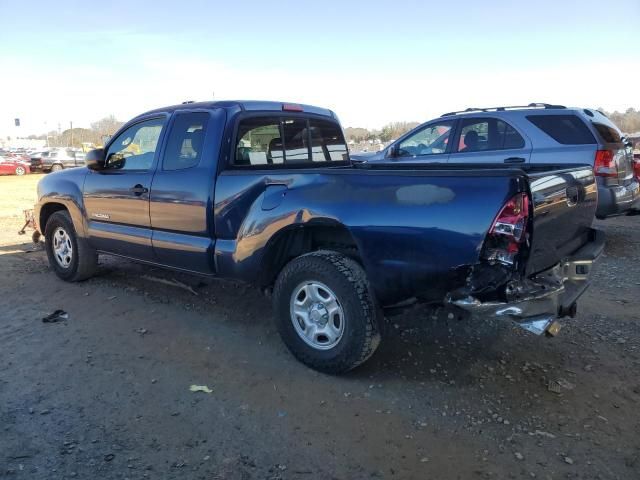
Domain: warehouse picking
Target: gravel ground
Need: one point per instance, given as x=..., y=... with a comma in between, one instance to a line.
x=105, y=393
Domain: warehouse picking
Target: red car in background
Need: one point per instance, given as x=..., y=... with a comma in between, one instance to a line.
x=14, y=166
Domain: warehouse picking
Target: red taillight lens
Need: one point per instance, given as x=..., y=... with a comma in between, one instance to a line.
x=507, y=233
x=512, y=219
x=604, y=165
x=636, y=168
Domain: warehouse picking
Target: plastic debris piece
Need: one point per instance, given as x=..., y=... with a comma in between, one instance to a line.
x=56, y=316
x=567, y=385
x=200, y=388
x=556, y=386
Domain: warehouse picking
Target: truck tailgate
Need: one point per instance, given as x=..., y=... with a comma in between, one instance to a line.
x=564, y=205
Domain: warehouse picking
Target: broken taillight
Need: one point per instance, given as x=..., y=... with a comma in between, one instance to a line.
x=508, y=230
x=604, y=165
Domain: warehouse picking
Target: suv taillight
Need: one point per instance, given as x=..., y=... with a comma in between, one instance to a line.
x=604, y=165
x=508, y=230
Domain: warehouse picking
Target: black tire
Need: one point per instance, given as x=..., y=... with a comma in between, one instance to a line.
x=56, y=167
x=362, y=316
x=84, y=260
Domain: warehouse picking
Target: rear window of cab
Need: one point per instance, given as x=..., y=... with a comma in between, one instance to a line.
x=281, y=141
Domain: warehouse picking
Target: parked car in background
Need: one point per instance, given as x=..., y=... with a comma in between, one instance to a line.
x=528, y=135
x=17, y=156
x=14, y=166
x=56, y=159
x=36, y=159
x=266, y=193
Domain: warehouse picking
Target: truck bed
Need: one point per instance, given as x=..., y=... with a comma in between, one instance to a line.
x=418, y=228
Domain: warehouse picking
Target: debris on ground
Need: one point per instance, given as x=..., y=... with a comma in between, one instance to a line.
x=142, y=331
x=200, y=388
x=556, y=386
x=56, y=316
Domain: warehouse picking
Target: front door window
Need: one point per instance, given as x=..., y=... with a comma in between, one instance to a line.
x=431, y=140
x=135, y=148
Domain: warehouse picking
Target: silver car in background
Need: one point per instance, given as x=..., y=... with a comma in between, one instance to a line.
x=537, y=133
x=56, y=159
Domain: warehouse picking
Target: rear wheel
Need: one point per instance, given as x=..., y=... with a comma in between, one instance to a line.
x=56, y=168
x=20, y=171
x=325, y=311
x=70, y=257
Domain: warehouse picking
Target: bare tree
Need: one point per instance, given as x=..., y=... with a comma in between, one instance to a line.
x=106, y=126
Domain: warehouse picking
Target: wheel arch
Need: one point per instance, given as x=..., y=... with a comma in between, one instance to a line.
x=48, y=209
x=295, y=240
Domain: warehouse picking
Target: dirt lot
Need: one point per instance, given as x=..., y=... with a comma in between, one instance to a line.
x=105, y=394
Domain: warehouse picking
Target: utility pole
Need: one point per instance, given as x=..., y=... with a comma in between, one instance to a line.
x=71, y=130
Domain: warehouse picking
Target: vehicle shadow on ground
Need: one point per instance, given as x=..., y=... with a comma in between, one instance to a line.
x=423, y=344
x=27, y=247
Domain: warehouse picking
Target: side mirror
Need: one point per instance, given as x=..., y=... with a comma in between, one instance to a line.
x=392, y=151
x=95, y=159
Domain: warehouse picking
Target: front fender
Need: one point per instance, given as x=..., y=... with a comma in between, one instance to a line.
x=62, y=188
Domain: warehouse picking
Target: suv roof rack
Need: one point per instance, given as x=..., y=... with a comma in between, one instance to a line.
x=502, y=109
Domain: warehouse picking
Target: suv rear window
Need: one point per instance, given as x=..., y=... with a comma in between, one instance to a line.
x=271, y=141
x=607, y=133
x=565, y=129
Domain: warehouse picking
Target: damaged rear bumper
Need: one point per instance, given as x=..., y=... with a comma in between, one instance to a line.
x=537, y=302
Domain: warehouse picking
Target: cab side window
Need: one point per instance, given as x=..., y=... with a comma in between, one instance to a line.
x=135, y=148
x=483, y=134
x=186, y=141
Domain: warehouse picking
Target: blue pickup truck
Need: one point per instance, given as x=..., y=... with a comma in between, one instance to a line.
x=266, y=193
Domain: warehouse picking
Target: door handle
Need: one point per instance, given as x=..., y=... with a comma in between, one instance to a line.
x=514, y=160
x=138, y=190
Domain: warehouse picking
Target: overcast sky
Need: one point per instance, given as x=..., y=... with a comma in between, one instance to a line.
x=372, y=61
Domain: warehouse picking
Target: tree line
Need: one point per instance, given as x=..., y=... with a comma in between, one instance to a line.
x=628, y=121
x=97, y=134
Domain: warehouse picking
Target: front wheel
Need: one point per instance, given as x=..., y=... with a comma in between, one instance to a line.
x=56, y=168
x=70, y=257
x=325, y=311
